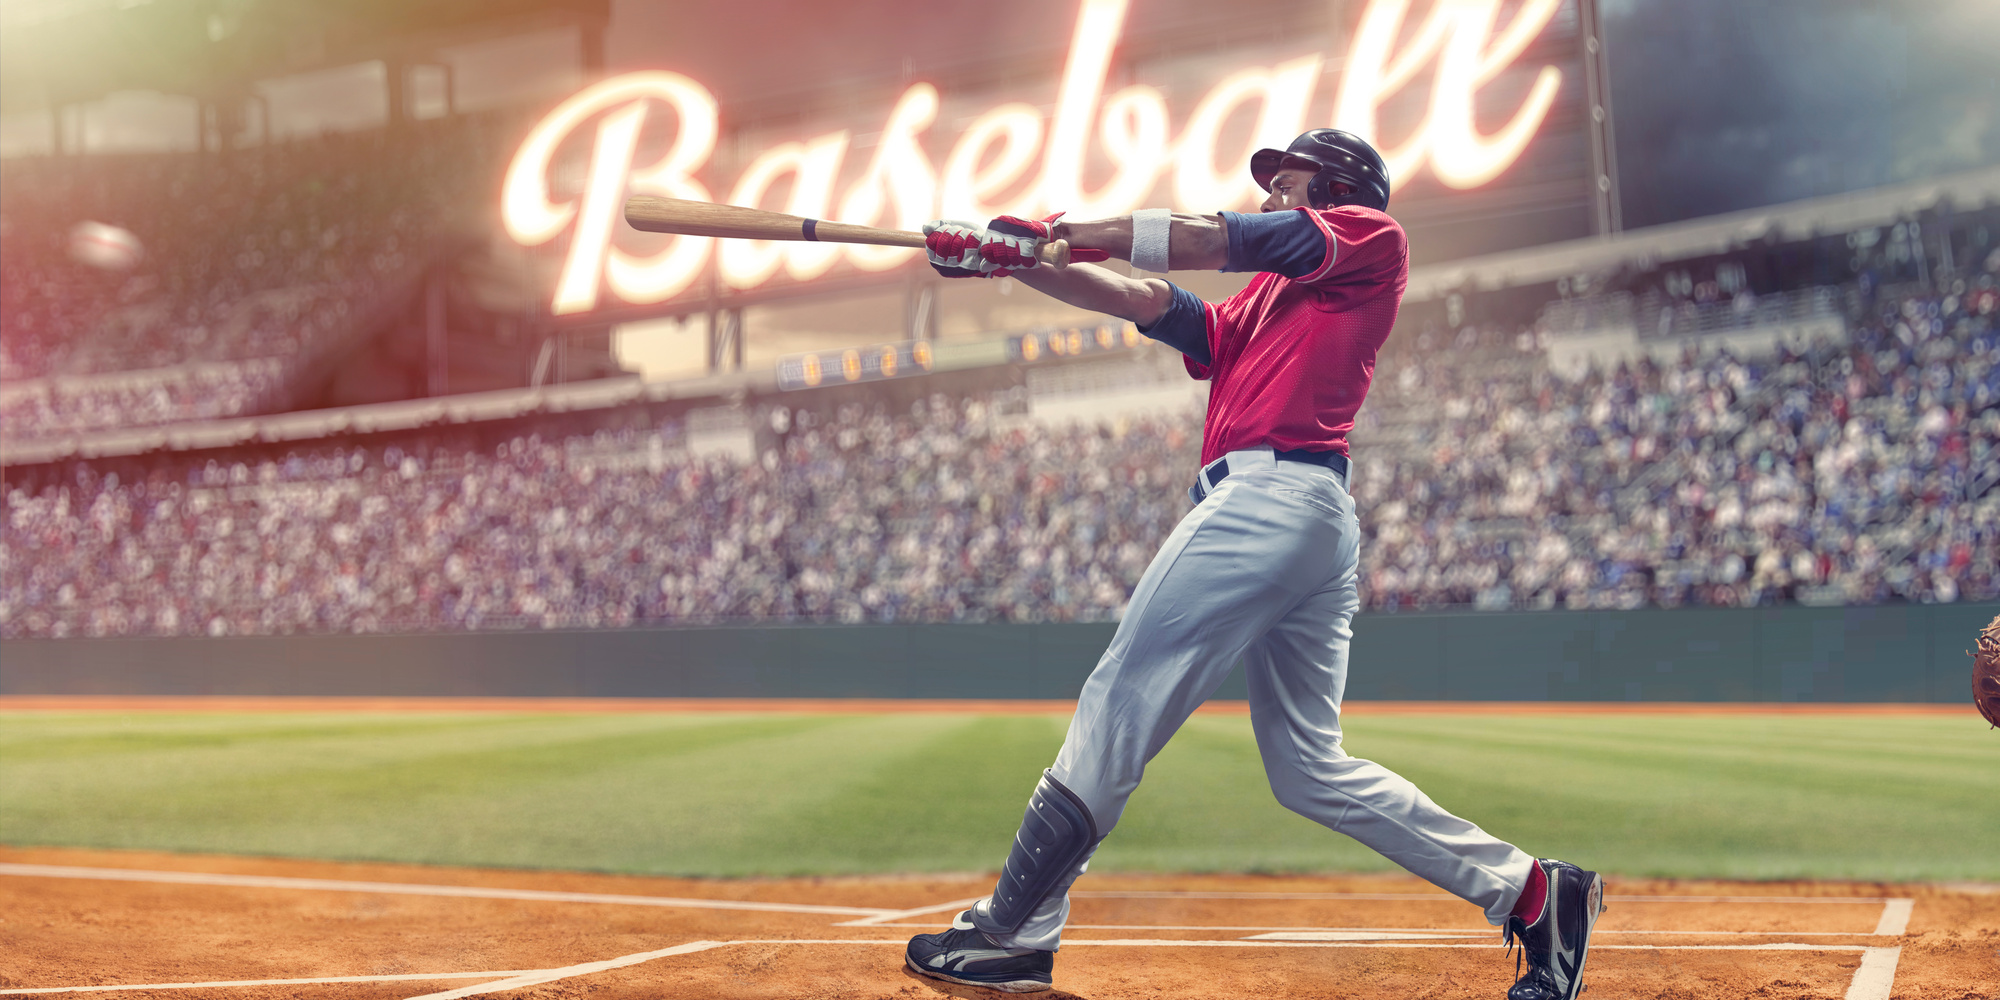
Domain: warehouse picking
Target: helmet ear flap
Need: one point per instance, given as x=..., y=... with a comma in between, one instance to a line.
x=1319, y=193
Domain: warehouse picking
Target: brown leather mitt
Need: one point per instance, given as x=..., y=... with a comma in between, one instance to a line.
x=1986, y=672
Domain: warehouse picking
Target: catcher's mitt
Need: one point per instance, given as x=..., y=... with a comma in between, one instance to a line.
x=1986, y=672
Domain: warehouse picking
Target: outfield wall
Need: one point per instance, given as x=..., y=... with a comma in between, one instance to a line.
x=1887, y=653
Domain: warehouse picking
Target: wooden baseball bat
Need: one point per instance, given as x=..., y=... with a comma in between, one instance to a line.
x=701, y=218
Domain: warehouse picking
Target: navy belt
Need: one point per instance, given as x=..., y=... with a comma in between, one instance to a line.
x=1215, y=472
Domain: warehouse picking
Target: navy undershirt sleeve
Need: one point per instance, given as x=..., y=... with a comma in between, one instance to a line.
x=1183, y=327
x=1284, y=243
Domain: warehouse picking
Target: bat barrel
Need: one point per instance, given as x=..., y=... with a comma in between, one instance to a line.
x=735, y=222
x=701, y=218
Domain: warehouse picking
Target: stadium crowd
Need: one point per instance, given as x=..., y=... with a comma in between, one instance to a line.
x=1845, y=473
x=1849, y=473
x=200, y=391
x=269, y=252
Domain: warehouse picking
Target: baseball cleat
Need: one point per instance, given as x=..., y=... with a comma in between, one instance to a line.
x=1556, y=943
x=964, y=955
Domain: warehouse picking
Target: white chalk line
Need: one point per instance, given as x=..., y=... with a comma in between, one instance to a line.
x=1876, y=976
x=1895, y=917
x=1450, y=931
x=1242, y=943
x=420, y=889
x=1457, y=932
x=883, y=918
x=551, y=975
x=1325, y=935
x=1443, y=898
x=868, y=914
x=519, y=979
x=1354, y=933
x=405, y=977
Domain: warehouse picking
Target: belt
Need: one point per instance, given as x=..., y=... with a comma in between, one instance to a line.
x=1212, y=474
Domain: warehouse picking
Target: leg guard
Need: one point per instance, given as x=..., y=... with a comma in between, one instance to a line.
x=1056, y=835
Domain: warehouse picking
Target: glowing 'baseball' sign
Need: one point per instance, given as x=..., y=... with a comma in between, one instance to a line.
x=901, y=186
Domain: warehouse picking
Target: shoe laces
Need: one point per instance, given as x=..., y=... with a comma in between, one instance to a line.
x=1514, y=934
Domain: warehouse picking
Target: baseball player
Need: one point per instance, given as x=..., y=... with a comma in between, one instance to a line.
x=1263, y=568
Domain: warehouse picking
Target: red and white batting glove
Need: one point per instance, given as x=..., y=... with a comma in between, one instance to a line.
x=1014, y=243
x=953, y=249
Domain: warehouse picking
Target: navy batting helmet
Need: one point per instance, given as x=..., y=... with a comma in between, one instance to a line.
x=1339, y=158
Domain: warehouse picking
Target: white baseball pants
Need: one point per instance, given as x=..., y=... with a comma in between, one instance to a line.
x=1264, y=568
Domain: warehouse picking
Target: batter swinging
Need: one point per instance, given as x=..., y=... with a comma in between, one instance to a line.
x=1263, y=568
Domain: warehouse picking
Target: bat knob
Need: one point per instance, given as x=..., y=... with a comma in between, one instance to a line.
x=1054, y=253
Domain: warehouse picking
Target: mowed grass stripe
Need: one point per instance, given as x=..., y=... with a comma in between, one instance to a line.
x=1767, y=797
x=939, y=804
x=1891, y=797
x=25, y=738
x=431, y=792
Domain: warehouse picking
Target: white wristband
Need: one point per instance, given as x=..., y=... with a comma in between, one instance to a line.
x=1152, y=229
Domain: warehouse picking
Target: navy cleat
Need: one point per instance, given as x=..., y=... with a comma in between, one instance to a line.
x=1556, y=943
x=964, y=955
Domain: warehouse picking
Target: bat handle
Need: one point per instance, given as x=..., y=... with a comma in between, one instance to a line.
x=1054, y=253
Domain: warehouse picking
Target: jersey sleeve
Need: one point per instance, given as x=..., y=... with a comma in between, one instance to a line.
x=1183, y=327
x=1286, y=243
x=1362, y=246
x=1221, y=323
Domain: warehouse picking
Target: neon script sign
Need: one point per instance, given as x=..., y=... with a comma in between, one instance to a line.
x=901, y=186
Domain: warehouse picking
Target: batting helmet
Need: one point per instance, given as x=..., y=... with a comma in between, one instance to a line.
x=1338, y=157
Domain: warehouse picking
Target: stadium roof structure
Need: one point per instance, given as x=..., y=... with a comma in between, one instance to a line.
x=58, y=52
x=1643, y=248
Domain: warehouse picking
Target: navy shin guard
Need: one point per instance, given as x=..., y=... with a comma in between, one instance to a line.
x=1056, y=835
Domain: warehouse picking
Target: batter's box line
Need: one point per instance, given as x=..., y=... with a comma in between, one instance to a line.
x=1871, y=981
x=1894, y=922
x=1440, y=897
x=885, y=917
x=1446, y=931
x=399, y=978
x=425, y=889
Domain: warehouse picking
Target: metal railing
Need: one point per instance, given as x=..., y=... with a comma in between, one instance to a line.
x=1655, y=316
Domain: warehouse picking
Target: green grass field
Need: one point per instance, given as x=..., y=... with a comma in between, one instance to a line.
x=1745, y=796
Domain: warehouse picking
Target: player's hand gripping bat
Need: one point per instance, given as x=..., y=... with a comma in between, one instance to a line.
x=701, y=218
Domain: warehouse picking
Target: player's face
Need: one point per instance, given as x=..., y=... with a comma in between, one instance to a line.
x=1288, y=190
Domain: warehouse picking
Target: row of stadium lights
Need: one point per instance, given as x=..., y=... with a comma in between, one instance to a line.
x=805, y=371
x=1029, y=347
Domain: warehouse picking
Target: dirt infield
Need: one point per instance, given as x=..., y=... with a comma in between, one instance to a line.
x=97, y=923
x=975, y=706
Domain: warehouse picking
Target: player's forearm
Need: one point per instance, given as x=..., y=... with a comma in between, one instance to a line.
x=1194, y=243
x=1143, y=301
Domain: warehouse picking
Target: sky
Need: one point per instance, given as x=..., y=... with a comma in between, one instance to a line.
x=1718, y=105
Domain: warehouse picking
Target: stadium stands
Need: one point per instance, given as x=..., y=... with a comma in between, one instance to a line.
x=1855, y=472
x=258, y=265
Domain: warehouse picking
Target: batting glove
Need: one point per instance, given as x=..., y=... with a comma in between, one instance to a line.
x=953, y=249
x=1013, y=243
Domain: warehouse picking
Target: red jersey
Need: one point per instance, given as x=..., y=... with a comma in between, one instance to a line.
x=1293, y=357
